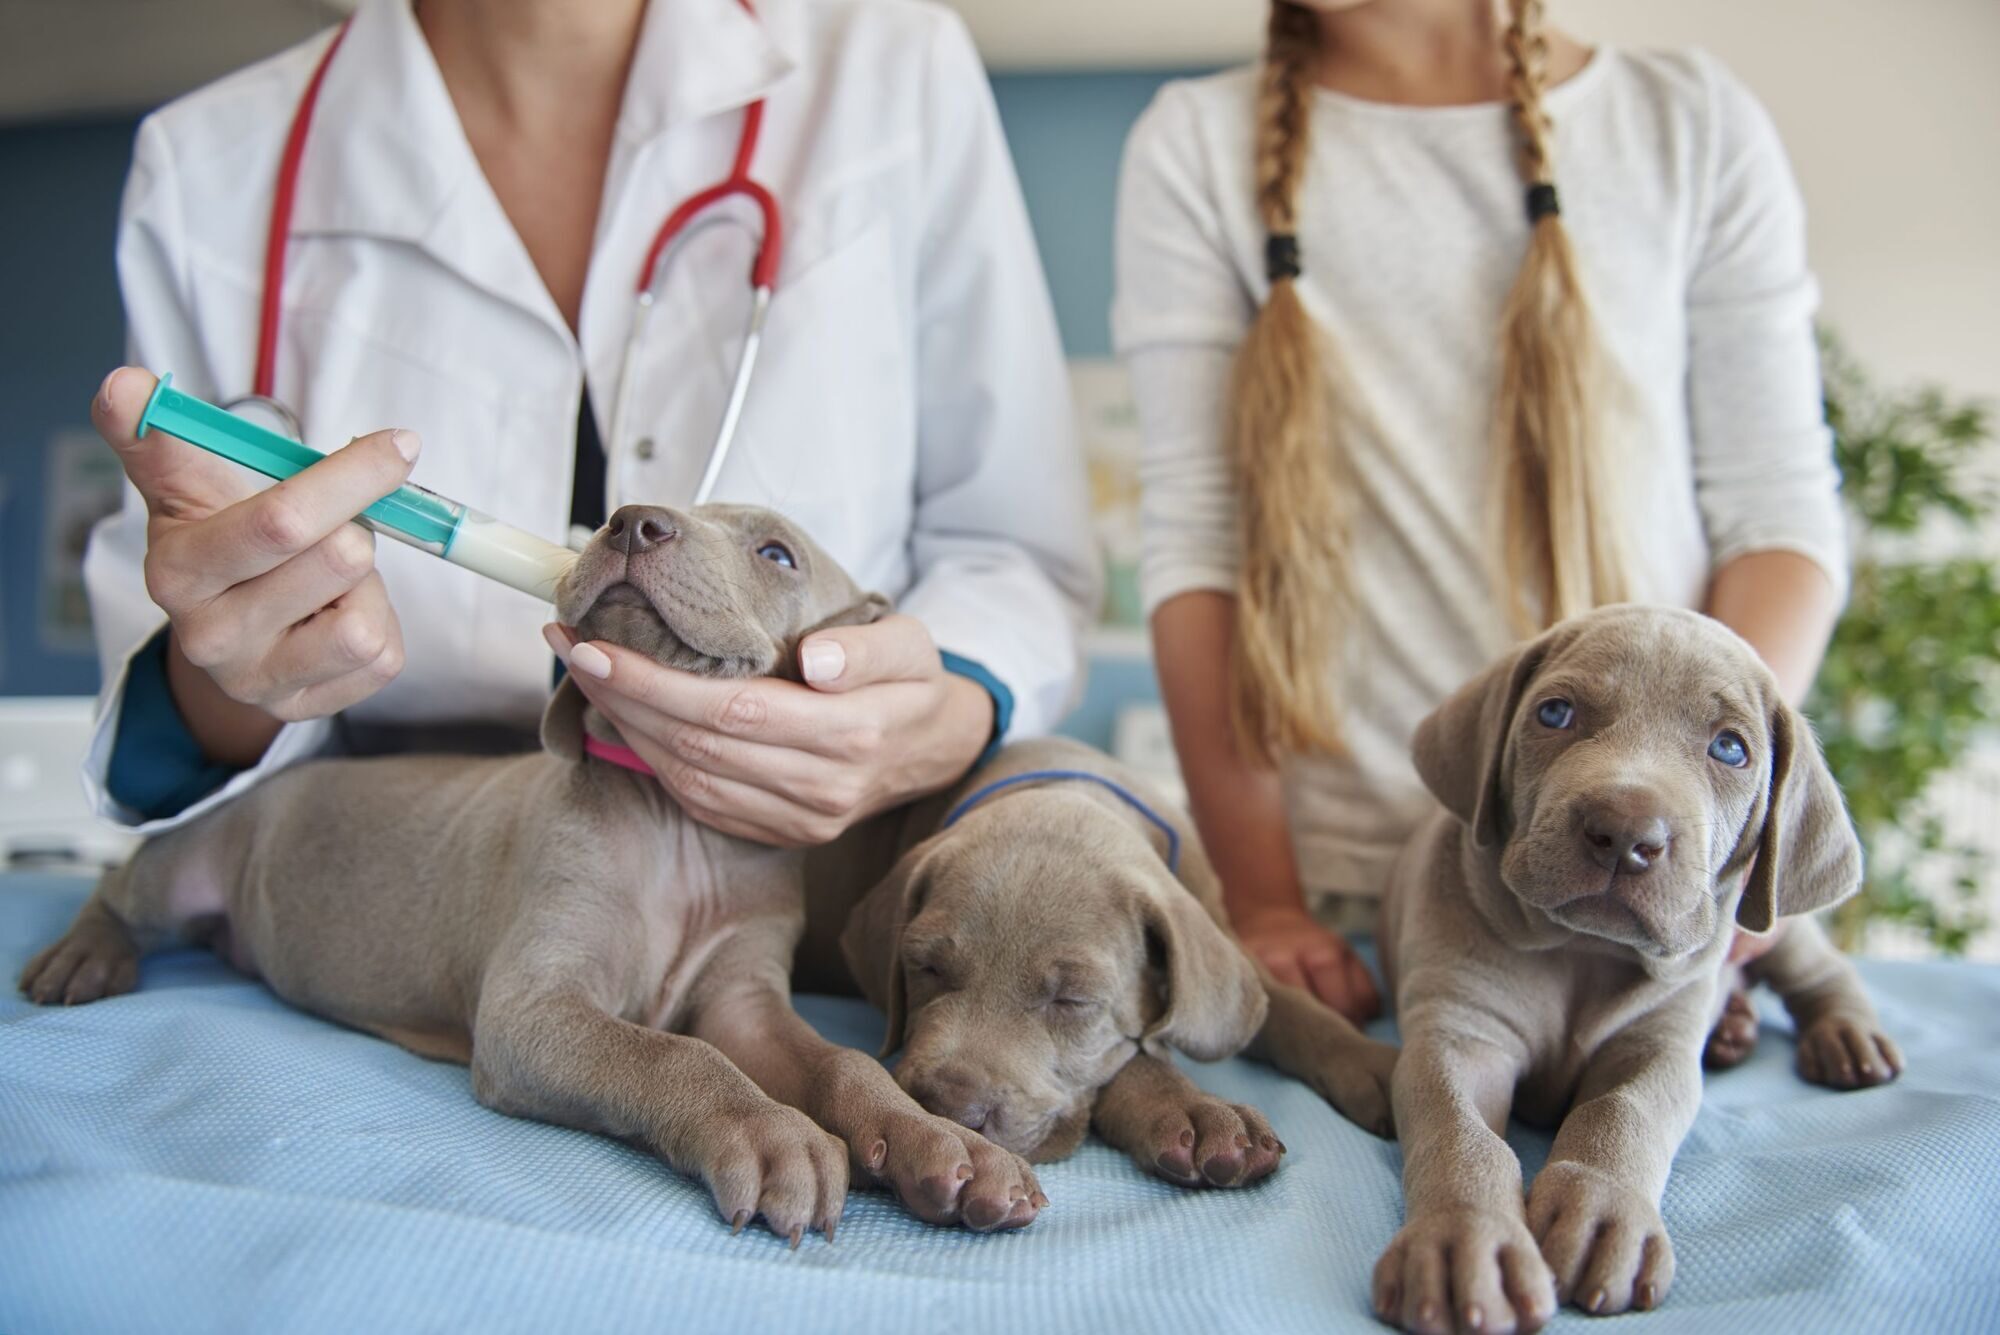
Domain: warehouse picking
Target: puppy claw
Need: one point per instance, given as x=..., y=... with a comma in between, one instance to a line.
x=736, y=1224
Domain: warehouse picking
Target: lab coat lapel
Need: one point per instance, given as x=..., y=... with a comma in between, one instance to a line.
x=387, y=157
x=697, y=58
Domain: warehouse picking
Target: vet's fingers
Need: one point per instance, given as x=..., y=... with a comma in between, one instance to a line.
x=340, y=657
x=763, y=709
x=262, y=610
x=197, y=561
x=896, y=648
x=176, y=480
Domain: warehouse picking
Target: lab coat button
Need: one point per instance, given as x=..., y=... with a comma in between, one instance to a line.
x=644, y=449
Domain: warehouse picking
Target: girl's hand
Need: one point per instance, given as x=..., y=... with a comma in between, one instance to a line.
x=1291, y=943
x=273, y=596
x=878, y=722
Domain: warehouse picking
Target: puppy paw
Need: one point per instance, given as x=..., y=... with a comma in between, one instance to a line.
x=1464, y=1270
x=770, y=1162
x=1206, y=1142
x=1604, y=1242
x=1842, y=1052
x=1355, y=1080
x=1734, y=1037
x=95, y=959
x=945, y=1173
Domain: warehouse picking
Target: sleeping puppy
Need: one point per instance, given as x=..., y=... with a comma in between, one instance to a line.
x=1618, y=796
x=557, y=922
x=1042, y=949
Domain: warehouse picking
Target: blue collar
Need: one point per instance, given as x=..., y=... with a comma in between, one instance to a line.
x=974, y=798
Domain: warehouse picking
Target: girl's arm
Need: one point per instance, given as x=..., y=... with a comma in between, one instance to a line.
x=1238, y=807
x=1785, y=605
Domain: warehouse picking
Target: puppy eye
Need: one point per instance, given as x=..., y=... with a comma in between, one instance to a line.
x=778, y=552
x=1555, y=712
x=1728, y=747
x=1073, y=1006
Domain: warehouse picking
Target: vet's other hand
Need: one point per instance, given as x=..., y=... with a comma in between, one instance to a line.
x=1291, y=943
x=878, y=723
x=273, y=595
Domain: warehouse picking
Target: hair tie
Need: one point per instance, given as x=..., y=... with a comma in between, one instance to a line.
x=1542, y=202
x=1281, y=256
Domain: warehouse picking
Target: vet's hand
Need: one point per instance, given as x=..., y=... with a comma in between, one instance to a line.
x=272, y=594
x=1297, y=950
x=878, y=723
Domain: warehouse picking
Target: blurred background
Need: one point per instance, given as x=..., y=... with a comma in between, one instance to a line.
x=1892, y=117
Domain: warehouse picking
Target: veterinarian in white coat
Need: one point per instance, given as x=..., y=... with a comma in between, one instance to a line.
x=474, y=200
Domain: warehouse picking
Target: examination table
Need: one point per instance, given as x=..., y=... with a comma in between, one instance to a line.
x=199, y=1156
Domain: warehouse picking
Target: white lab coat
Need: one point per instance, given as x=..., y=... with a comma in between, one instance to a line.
x=910, y=408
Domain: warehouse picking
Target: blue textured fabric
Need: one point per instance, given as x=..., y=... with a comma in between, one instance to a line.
x=1003, y=699
x=198, y=1156
x=157, y=768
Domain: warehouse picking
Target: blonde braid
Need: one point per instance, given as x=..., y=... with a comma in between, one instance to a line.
x=1288, y=469
x=1561, y=550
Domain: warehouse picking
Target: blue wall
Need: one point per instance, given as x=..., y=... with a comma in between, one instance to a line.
x=62, y=329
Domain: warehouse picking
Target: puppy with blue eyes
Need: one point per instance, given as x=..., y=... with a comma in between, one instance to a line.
x=558, y=923
x=1616, y=798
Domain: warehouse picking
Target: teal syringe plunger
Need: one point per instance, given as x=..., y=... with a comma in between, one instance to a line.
x=410, y=514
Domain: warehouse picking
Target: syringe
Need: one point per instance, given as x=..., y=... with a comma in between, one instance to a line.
x=410, y=514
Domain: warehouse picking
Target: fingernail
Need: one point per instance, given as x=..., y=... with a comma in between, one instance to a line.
x=823, y=660
x=587, y=657
x=407, y=444
x=104, y=390
x=557, y=644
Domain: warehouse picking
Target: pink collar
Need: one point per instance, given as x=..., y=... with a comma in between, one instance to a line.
x=622, y=756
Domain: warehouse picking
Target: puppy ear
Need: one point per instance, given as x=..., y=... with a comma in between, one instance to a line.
x=562, y=721
x=872, y=942
x=1215, y=1001
x=1807, y=854
x=1460, y=745
x=869, y=607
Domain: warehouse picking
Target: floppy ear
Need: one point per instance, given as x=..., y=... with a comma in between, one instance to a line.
x=562, y=721
x=1807, y=853
x=1460, y=744
x=872, y=942
x=869, y=607
x=1215, y=1001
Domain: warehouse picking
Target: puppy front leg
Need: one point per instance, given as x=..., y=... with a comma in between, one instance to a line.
x=1172, y=1127
x=1310, y=1042
x=942, y=1172
x=553, y=1054
x=1595, y=1206
x=1464, y=1258
x=1841, y=1043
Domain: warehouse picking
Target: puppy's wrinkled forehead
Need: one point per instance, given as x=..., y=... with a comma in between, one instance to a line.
x=1656, y=662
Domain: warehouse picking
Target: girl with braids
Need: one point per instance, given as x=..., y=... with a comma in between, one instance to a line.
x=1405, y=400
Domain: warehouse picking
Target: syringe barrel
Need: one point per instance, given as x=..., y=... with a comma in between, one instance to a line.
x=513, y=556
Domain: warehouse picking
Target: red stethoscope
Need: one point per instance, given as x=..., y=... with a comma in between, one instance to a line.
x=763, y=274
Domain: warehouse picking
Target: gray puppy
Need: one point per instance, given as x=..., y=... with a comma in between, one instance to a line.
x=556, y=921
x=1618, y=795
x=1039, y=956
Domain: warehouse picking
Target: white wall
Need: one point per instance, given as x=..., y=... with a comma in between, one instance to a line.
x=1891, y=109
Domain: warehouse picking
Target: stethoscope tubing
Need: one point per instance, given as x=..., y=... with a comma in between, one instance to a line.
x=763, y=278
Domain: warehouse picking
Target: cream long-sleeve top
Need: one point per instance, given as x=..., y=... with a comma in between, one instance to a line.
x=1691, y=235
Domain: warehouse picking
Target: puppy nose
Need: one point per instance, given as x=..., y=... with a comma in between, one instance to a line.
x=634, y=528
x=953, y=1093
x=1625, y=836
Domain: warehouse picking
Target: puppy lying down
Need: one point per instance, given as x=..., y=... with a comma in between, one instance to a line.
x=599, y=959
x=1618, y=796
x=1054, y=930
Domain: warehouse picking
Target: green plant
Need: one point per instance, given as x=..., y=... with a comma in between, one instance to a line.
x=1912, y=677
